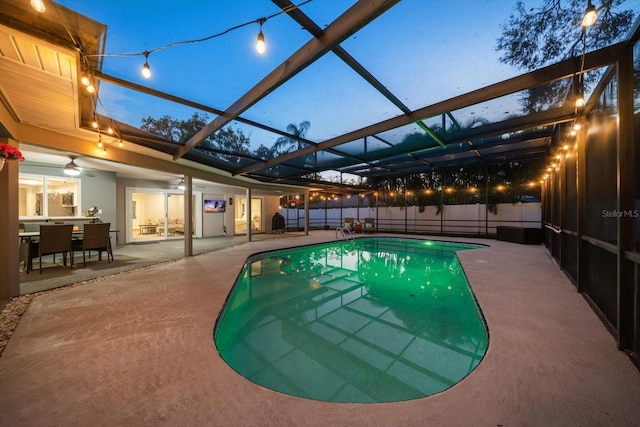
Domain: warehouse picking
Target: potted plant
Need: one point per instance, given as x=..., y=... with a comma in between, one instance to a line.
x=9, y=152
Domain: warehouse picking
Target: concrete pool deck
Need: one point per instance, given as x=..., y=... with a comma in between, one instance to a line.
x=136, y=349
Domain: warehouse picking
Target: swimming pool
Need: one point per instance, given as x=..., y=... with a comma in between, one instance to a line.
x=367, y=321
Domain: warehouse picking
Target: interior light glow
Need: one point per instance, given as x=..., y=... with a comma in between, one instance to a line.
x=580, y=102
x=71, y=169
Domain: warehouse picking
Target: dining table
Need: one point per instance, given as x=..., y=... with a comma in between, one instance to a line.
x=27, y=237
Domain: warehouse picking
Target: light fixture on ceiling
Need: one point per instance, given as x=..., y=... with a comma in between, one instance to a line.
x=590, y=15
x=181, y=186
x=71, y=169
x=146, y=70
x=261, y=47
x=38, y=6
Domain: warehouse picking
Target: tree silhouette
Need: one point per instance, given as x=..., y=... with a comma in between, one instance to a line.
x=544, y=35
x=286, y=144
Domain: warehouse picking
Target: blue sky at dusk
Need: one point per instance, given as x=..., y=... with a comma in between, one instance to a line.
x=424, y=51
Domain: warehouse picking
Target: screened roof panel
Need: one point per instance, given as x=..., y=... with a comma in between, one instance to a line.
x=328, y=81
x=416, y=49
x=399, y=95
x=214, y=72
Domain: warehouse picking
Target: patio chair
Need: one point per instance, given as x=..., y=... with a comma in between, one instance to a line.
x=96, y=237
x=29, y=247
x=348, y=224
x=54, y=239
x=369, y=225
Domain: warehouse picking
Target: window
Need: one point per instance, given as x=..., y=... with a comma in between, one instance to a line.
x=48, y=196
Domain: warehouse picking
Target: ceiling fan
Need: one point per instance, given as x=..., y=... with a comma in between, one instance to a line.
x=72, y=169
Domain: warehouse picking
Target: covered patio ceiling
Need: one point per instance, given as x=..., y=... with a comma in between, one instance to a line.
x=386, y=128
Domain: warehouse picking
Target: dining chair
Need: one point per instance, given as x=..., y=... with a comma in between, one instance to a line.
x=96, y=237
x=54, y=239
x=29, y=246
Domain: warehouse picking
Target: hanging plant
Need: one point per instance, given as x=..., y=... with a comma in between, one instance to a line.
x=10, y=152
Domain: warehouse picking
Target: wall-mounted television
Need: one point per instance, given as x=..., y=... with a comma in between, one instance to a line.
x=214, y=205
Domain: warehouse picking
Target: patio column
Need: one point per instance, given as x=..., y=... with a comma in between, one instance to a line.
x=248, y=214
x=626, y=172
x=325, y=211
x=486, y=201
x=306, y=213
x=581, y=185
x=406, y=208
x=9, y=275
x=188, y=216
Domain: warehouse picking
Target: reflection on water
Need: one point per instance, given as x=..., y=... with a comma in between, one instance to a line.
x=375, y=320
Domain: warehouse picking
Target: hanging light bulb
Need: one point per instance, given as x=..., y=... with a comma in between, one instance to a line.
x=120, y=143
x=110, y=130
x=146, y=70
x=85, y=80
x=100, y=144
x=579, y=102
x=261, y=47
x=590, y=15
x=181, y=186
x=91, y=88
x=94, y=122
x=38, y=6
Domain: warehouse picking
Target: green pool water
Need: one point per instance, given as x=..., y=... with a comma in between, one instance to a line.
x=370, y=320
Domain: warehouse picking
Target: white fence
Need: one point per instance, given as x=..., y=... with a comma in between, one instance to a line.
x=454, y=219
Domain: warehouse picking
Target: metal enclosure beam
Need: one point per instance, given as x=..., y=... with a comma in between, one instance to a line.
x=561, y=70
x=344, y=26
x=626, y=173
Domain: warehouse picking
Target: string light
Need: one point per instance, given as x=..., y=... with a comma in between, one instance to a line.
x=38, y=6
x=260, y=44
x=146, y=70
x=590, y=15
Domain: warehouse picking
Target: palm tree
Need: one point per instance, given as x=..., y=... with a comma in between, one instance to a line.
x=286, y=144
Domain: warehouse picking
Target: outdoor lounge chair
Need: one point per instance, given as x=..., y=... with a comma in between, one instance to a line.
x=348, y=224
x=369, y=225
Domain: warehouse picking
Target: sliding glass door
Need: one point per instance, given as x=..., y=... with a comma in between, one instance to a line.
x=241, y=212
x=154, y=214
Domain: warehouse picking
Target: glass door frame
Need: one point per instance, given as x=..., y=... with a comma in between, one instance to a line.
x=165, y=193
